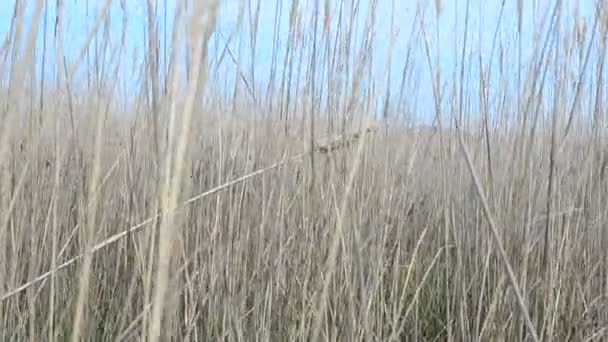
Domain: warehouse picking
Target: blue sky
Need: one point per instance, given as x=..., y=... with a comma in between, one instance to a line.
x=443, y=33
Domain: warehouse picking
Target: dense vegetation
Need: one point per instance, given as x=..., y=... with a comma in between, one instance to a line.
x=211, y=199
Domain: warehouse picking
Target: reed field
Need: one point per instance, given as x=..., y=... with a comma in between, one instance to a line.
x=184, y=182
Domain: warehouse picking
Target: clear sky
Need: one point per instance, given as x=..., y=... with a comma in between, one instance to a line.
x=445, y=33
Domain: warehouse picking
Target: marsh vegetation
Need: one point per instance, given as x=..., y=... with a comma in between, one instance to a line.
x=180, y=192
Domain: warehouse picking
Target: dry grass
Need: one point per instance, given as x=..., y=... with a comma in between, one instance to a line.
x=278, y=207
